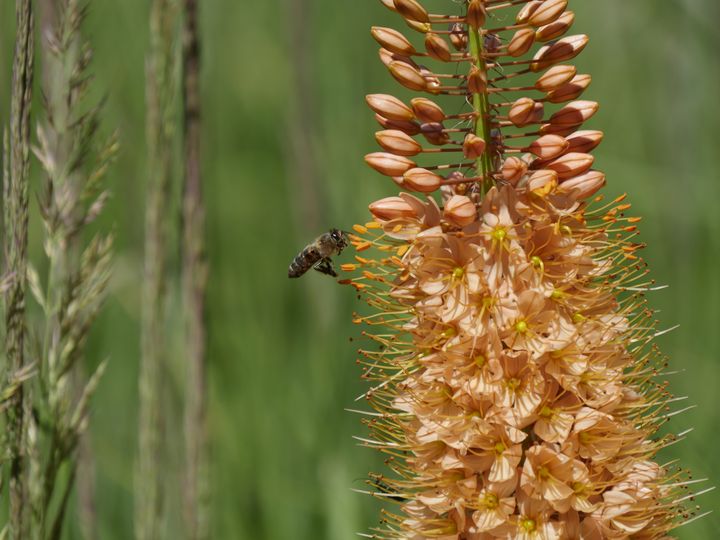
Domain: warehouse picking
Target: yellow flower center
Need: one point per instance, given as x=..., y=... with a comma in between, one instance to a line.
x=578, y=488
x=543, y=473
x=557, y=294
x=490, y=501
x=521, y=326
x=578, y=318
x=528, y=525
x=513, y=384
x=479, y=360
x=546, y=412
x=536, y=261
x=500, y=448
x=449, y=333
x=458, y=273
x=584, y=437
x=499, y=233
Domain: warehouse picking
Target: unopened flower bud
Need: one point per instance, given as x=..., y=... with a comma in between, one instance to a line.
x=458, y=37
x=437, y=47
x=392, y=40
x=476, y=14
x=584, y=141
x=411, y=9
x=408, y=76
x=433, y=132
x=585, y=185
x=525, y=111
x=411, y=128
x=426, y=110
x=574, y=114
x=571, y=90
x=391, y=208
x=387, y=57
x=477, y=80
x=559, y=51
x=473, y=146
x=521, y=42
x=555, y=77
x=389, y=4
x=547, y=12
x=398, y=143
x=527, y=10
x=422, y=180
x=571, y=164
x=556, y=28
x=389, y=164
x=513, y=169
x=390, y=107
x=543, y=182
x=549, y=146
x=460, y=211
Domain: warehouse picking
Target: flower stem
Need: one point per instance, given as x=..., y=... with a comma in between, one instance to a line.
x=481, y=107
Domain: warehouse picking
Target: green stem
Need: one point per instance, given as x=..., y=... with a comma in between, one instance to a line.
x=481, y=107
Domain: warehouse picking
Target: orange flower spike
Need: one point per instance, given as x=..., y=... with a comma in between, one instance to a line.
x=506, y=341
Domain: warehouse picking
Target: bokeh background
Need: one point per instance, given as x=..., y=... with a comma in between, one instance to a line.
x=285, y=131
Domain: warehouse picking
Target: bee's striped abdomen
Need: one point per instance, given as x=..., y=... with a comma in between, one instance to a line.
x=303, y=262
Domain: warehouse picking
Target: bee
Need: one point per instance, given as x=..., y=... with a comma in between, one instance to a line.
x=317, y=255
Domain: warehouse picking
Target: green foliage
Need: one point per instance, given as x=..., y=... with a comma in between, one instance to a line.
x=281, y=367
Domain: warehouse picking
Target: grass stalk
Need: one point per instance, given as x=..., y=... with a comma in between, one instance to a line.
x=160, y=89
x=15, y=199
x=194, y=279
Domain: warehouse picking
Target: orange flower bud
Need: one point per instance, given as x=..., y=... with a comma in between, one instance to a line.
x=387, y=57
x=433, y=132
x=460, y=210
x=437, y=47
x=389, y=4
x=527, y=11
x=585, y=185
x=571, y=164
x=398, y=143
x=555, y=77
x=547, y=12
x=584, y=141
x=574, y=114
x=473, y=146
x=408, y=76
x=521, y=42
x=411, y=128
x=525, y=111
x=513, y=169
x=560, y=51
x=571, y=90
x=422, y=180
x=426, y=110
x=549, y=146
x=458, y=37
x=476, y=14
x=543, y=182
x=477, y=80
x=391, y=208
x=555, y=29
x=392, y=40
x=390, y=107
x=389, y=164
x=411, y=9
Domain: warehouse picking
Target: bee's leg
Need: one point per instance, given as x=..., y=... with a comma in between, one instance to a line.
x=325, y=266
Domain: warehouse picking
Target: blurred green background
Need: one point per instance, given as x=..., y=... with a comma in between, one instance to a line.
x=285, y=131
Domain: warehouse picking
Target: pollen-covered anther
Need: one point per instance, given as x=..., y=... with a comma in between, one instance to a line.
x=422, y=180
x=559, y=51
x=426, y=110
x=513, y=169
x=398, y=143
x=389, y=164
x=473, y=146
x=556, y=28
x=407, y=75
x=521, y=42
x=392, y=40
x=476, y=14
x=390, y=107
x=525, y=111
x=549, y=146
x=460, y=211
x=547, y=12
x=571, y=164
x=555, y=77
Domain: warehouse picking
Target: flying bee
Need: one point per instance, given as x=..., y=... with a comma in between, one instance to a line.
x=317, y=255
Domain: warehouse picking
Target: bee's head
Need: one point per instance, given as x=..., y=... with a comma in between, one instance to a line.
x=338, y=237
